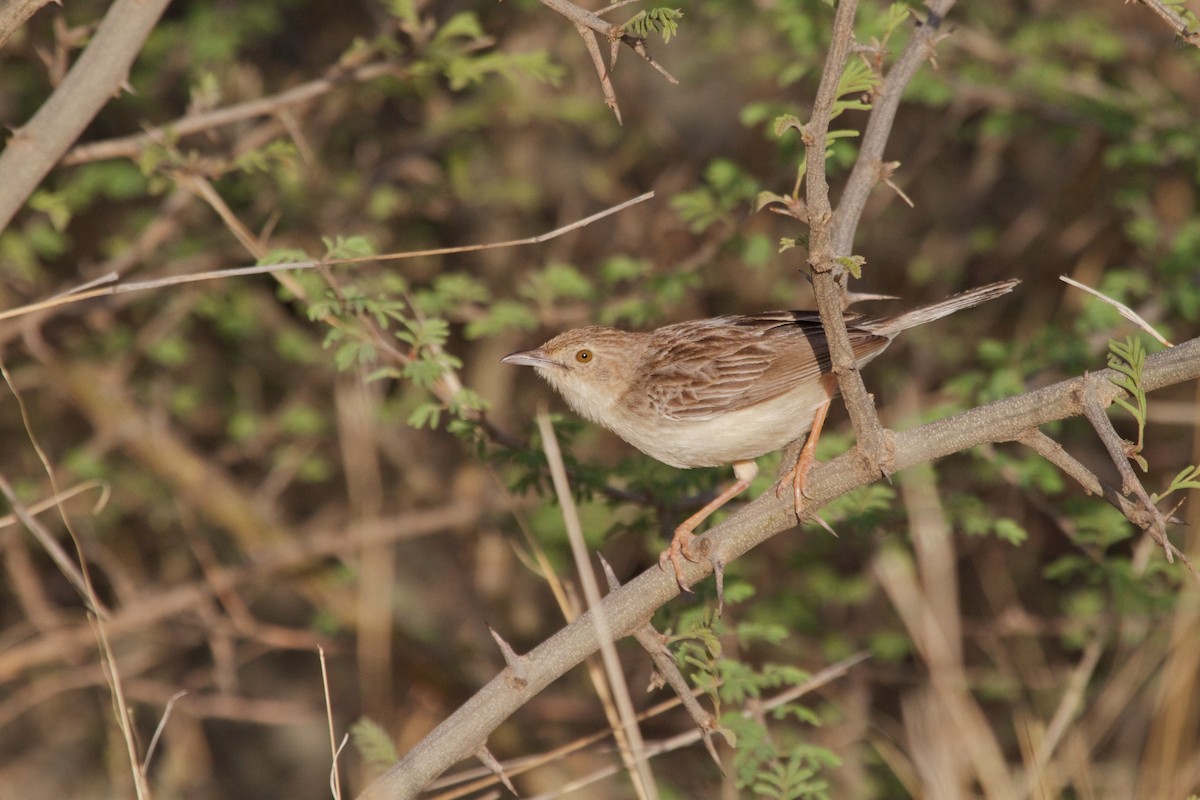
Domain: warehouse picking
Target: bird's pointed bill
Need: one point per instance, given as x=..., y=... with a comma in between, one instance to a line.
x=529, y=358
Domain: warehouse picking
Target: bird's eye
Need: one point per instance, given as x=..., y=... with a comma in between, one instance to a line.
x=583, y=356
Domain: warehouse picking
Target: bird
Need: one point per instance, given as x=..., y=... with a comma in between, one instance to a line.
x=717, y=391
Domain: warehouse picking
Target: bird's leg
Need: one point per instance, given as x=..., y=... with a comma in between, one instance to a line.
x=681, y=542
x=808, y=457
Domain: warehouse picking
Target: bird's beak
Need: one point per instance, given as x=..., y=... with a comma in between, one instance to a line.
x=529, y=358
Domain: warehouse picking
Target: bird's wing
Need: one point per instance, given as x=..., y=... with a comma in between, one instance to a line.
x=705, y=368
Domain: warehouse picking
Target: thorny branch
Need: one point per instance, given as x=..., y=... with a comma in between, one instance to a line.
x=628, y=607
x=589, y=24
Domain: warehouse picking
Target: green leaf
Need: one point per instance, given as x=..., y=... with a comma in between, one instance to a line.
x=284, y=255
x=426, y=415
x=788, y=122
x=463, y=25
x=373, y=743
x=1009, y=531
x=347, y=247
x=663, y=21
x=501, y=316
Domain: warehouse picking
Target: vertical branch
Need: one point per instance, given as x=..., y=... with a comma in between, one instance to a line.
x=832, y=234
x=828, y=275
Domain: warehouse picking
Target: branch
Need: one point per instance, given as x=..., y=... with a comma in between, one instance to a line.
x=828, y=275
x=198, y=122
x=1178, y=23
x=13, y=15
x=866, y=172
x=628, y=607
x=588, y=24
x=99, y=74
x=833, y=233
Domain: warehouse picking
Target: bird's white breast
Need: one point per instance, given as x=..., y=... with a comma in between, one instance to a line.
x=732, y=436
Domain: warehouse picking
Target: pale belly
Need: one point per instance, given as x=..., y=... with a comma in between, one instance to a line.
x=734, y=436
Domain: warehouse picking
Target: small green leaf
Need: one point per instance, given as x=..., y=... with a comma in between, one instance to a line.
x=373, y=743
x=1010, y=531
x=426, y=415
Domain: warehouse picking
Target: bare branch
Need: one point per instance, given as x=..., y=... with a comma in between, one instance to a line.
x=99, y=74
x=130, y=146
x=14, y=14
x=1094, y=409
x=75, y=296
x=866, y=172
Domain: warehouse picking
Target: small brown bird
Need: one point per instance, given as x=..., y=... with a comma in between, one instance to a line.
x=719, y=391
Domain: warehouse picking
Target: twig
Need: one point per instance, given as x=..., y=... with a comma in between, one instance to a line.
x=130, y=146
x=66, y=494
x=524, y=764
x=688, y=738
x=1053, y=452
x=71, y=296
x=335, y=781
x=655, y=644
x=593, y=48
x=158, y=730
x=1174, y=19
x=581, y=16
x=1094, y=409
x=866, y=172
x=588, y=24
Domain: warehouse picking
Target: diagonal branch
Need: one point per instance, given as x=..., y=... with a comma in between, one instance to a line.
x=99, y=74
x=628, y=607
x=14, y=14
x=1177, y=22
x=588, y=24
x=867, y=167
x=1094, y=409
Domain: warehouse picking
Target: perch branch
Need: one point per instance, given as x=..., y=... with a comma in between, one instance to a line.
x=628, y=608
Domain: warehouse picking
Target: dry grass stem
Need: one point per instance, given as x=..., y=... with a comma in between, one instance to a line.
x=1124, y=310
x=636, y=757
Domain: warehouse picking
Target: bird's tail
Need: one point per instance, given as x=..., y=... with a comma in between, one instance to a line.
x=890, y=326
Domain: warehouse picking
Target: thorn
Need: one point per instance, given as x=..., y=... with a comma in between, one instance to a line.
x=489, y=761
x=712, y=750
x=825, y=525
x=718, y=565
x=1170, y=515
x=609, y=575
x=516, y=664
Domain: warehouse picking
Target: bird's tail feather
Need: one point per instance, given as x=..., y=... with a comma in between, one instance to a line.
x=890, y=326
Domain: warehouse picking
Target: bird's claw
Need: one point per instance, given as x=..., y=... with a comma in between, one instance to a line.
x=798, y=477
x=680, y=548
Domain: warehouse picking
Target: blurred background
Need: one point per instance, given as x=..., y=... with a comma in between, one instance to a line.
x=255, y=467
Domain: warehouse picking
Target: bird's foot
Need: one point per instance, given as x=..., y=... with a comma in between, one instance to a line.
x=681, y=548
x=798, y=477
